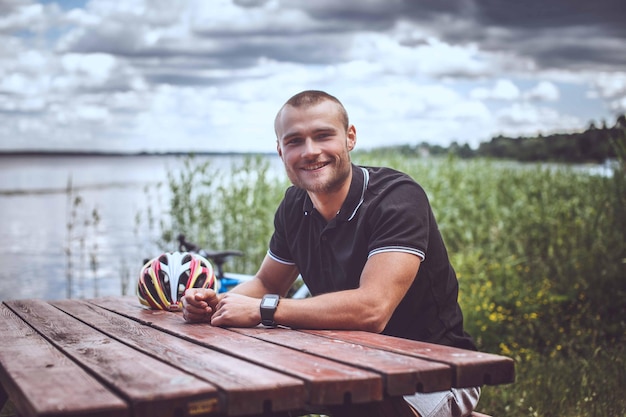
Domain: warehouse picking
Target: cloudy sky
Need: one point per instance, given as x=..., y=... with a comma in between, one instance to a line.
x=209, y=75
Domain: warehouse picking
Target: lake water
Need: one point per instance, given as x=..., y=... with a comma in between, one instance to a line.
x=35, y=212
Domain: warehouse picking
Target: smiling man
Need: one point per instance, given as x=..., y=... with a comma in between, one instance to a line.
x=366, y=243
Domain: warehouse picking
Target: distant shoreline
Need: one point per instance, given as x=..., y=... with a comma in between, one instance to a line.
x=23, y=153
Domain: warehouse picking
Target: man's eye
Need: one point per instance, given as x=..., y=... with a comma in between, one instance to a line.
x=324, y=135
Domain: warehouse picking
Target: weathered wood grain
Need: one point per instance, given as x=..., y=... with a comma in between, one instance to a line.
x=470, y=368
x=402, y=374
x=327, y=382
x=42, y=381
x=245, y=388
x=129, y=373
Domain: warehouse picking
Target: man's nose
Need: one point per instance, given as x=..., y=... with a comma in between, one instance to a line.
x=310, y=147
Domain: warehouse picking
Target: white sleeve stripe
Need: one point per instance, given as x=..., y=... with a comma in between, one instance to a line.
x=279, y=260
x=404, y=249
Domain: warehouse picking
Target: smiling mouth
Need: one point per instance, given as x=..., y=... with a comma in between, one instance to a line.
x=314, y=167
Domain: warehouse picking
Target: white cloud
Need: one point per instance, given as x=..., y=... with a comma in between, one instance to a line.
x=17, y=84
x=527, y=119
x=224, y=16
x=543, y=91
x=25, y=16
x=610, y=85
x=32, y=61
x=611, y=88
x=429, y=57
x=502, y=90
x=94, y=66
x=92, y=113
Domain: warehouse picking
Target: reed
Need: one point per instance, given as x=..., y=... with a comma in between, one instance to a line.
x=81, y=244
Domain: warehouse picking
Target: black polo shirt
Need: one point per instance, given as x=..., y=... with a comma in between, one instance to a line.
x=385, y=210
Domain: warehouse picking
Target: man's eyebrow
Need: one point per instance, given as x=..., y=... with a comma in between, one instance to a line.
x=325, y=129
x=290, y=135
x=315, y=131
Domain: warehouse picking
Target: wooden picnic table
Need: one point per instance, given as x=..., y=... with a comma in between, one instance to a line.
x=113, y=357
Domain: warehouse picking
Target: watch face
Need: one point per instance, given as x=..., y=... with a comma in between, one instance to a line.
x=269, y=302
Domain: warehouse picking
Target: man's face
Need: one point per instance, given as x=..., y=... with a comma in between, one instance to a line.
x=314, y=146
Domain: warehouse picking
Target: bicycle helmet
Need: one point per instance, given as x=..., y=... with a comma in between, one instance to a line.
x=163, y=280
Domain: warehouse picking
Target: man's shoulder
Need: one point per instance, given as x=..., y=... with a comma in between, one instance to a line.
x=385, y=178
x=383, y=172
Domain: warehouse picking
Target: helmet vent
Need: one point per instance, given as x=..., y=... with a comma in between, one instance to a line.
x=164, y=279
x=201, y=280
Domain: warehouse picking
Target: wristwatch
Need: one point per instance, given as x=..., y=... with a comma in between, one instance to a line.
x=269, y=302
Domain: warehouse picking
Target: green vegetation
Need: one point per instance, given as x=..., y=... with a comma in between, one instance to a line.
x=224, y=210
x=540, y=252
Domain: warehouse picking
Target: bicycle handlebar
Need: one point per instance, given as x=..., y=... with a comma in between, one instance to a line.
x=218, y=257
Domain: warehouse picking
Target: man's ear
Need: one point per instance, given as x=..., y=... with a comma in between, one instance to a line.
x=278, y=149
x=351, y=137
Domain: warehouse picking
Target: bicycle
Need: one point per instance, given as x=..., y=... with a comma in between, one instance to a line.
x=230, y=280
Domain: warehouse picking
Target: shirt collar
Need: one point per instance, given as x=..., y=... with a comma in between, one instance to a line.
x=354, y=199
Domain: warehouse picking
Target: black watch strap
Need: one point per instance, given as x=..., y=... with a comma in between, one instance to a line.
x=269, y=302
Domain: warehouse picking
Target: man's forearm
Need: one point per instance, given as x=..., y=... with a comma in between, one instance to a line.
x=338, y=310
x=253, y=288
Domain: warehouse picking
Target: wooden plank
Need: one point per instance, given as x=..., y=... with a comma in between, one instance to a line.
x=246, y=388
x=41, y=381
x=327, y=382
x=151, y=387
x=471, y=368
x=402, y=374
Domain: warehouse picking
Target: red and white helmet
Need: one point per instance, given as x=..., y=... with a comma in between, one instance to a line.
x=164, y=280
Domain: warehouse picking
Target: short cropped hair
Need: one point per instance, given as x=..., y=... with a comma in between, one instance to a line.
x=310, y=98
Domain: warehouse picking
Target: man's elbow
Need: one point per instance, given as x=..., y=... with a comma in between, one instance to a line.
x=374, y=323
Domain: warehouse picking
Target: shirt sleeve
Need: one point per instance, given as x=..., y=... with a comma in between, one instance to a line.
x=400, y=223
x=278, y=247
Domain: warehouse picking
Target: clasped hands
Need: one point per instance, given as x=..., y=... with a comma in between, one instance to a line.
x=230, y=309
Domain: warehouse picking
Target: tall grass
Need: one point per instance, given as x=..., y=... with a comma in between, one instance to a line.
x=540, y=253
x=231, y=209
x=81, y=241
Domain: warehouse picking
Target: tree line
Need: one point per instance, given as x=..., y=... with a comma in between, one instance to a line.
x=595, y=144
